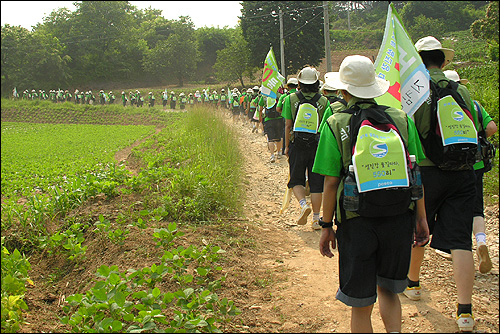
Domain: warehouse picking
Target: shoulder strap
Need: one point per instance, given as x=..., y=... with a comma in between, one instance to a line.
x=480, y=118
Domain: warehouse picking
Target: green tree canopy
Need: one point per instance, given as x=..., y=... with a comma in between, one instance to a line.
x=234, y=61
x=303, y=31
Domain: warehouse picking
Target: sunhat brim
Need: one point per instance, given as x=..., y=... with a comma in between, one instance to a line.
x=376, y=89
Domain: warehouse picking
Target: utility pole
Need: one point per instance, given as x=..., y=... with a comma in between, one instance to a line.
x=326, y=32
x=282, y=46
x=348, y=16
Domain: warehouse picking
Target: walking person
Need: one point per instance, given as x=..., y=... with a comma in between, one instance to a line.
x=449, y=182
x=303, y=112
x=375, y=237
x=486, y=128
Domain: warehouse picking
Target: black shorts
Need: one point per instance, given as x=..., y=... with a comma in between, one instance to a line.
x=479, y=201
x=373, y=252
x=300, y=160
x=236, y=111
x=449, y=206
x=273, y=129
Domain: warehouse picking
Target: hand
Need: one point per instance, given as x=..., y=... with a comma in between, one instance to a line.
x=421, y=232
x=286, y=150
x=327, y=238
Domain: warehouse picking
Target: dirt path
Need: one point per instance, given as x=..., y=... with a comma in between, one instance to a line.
x=298, y=293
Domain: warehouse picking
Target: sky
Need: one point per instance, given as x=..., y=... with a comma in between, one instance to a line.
x=202, y=13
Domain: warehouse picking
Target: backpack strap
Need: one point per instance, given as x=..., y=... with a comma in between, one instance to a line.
x=480, y=118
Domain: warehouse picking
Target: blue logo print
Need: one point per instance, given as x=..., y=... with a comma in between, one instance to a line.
x=379, y=150
x=307, y=115
x=458, y=115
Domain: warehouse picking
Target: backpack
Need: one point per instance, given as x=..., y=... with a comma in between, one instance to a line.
x=271, y=112
x=306, y=138
x=486, y=149
x=460, y=153
x=333, y=99
x=385, y=186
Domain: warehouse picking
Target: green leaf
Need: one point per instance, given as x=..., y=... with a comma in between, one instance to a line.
x=119, y=298
x=156, y=292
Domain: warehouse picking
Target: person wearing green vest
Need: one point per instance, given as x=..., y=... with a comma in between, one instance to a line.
x=449, y=194
x=164, y=98
x=235, y=105
x=272, y=126
x=303, y=111
x=173, y=100
x=151, y=99
x=111, y=97
x=182, y=100
x=484, y=123
x=252, y=109
x=291, y=85
x=223, y=98
x=124, y=98
x=374, y=252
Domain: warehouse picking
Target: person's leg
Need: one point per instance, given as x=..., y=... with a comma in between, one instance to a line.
x=361, y=321
x=390, y=310
x=417, y=257
x=463, y=272
x=479, y=230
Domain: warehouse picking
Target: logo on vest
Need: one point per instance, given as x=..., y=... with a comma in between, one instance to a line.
x=307, y=115
x=379, y=150
x=458, y=115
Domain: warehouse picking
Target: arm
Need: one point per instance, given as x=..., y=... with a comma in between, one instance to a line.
x=327, y=238
x=491, y=129
x=288, y=129
x=421, y=229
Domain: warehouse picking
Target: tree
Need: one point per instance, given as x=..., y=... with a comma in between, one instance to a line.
x=303, y=31
x=487, y=28
x=455, y=15
x=175, y=57
x=209, y=40
x=234, y=61
x=31, y=60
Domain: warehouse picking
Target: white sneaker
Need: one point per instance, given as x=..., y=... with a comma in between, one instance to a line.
x=273, y=158
x=304, y=213
x=465, y=322
x=484, y=259
x=413, y=293
x=315, y=225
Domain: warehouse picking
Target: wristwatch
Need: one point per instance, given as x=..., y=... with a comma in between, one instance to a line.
x=324, y=224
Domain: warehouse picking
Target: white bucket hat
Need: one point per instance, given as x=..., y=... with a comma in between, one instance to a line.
x=430, y=43
x=453, y=75
x=292, y=81
x=357, y=76
x=331, y=78
x=308, y=75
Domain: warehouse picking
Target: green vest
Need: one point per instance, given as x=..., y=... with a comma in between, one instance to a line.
x=339, y=124
x=323, y=103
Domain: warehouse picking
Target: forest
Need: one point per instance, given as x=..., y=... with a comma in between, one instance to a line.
x=113, y=43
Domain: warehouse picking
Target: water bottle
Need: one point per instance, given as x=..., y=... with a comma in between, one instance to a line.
x=351, y=195
x=417, y=191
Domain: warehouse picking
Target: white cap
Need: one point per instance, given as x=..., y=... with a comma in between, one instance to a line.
x=308, y=75
x=430, y=43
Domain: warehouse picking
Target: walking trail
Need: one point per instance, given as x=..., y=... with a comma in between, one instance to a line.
x=297, y=293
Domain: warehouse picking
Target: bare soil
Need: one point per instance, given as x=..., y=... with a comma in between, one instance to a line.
x=275, y=273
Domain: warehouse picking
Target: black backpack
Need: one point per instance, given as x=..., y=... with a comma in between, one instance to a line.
x=460, y=156
x=303, y=138
x=272, y=113
x=381, y=202
x=333, y=99
x=486, y=148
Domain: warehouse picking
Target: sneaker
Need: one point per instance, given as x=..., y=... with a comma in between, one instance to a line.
x=484, y=259
x=447, y=256
x=273, y=158
x=465, y=322
x=315, y=225
x=412, y=293
x=304, y=213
